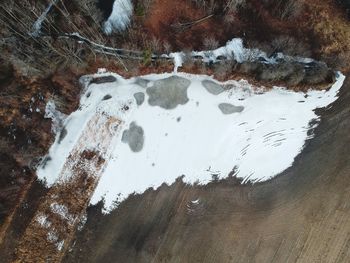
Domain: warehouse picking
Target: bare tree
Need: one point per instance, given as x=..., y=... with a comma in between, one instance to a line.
x=208, y=5
x=210, y=43
x=167, y=47
x=233, y=5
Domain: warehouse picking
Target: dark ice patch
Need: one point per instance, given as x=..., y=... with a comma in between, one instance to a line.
x=227, y=108
x=134, y=136
x=45, y=161
x=142, y=82
x=169, y=93
x=139, y=97
x=107, y=97
x=63, y=134
x=104, y=79
x=212, y=87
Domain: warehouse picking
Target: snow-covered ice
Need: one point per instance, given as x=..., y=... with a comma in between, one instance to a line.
x=187, y=133
x=120, y=16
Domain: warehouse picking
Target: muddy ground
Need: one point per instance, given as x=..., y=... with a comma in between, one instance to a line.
x=300, y=216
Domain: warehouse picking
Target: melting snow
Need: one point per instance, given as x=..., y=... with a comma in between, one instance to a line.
x=38, y=23
x=120, y=16
x=62, y=211
x=178, y=60
x=196, y=202
x=192, y=138
x=59, y=245
x=56, y=116
x=234, y=49
x=43, y=221
x=52, y=236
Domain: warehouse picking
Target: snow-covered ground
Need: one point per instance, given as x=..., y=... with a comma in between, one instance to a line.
x=234, y=49
x=120, y=16
x=191, y=125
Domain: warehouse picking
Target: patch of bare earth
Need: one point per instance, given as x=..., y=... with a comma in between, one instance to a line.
x=50, y=231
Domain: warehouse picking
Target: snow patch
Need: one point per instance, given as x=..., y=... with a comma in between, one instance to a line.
x=194, y=139
x=196, y=202
x=234, y=49
x=119, y=18
x=59, y=245
x=56, y=116
x=63, y=212
x=38, y=23
x=43, y=221
x=178, y=60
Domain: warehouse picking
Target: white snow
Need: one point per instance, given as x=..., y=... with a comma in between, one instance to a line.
x=234, y=49
x=178, y=59
x=120, y=16
x=56, y=116
x=261, y=141
x=101, y=70
x=59, y=245
x=38, y=23
x=195, y=202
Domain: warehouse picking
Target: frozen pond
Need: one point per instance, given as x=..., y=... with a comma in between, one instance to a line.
x=174, y=125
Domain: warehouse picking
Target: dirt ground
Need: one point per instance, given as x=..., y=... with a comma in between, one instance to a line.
x=300, y=216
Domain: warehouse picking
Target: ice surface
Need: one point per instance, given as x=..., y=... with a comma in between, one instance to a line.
x=194, y=139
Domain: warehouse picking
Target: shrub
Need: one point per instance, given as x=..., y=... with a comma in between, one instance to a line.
x=140, y=10
x=284, y=9
x=147, y=57
x=291, y=46
x=210, y=43
x=208, y=5
x=234, y=5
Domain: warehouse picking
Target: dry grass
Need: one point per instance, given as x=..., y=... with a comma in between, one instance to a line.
x=332, y=27
x=72, y=191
